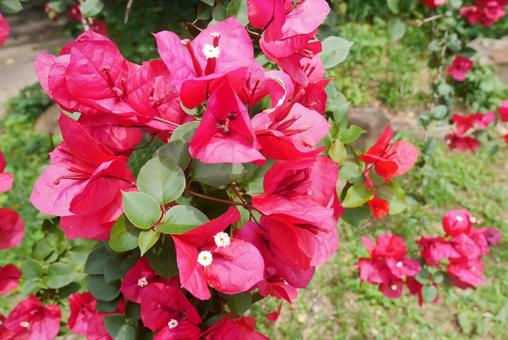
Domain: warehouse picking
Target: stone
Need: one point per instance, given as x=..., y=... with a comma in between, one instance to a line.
x=48, y=121
x=372, y=120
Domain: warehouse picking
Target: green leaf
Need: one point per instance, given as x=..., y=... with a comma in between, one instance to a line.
x=184, y=132
x=238, y=9
x=60, y=275
x=147, y=239
x=335, y=51
x=141, y=209
x=337, y=152
x=71, y=288
x=90, y=8
x=116, y=267
x=97, y=260
x=239, y=303
x=181, y=218
x=393, y=6
x=356, y=216
x=119, y=327
x=219, y=175
x=351, y=134
x=397, y=29
x=123, y=236
x=254, y=184
x=429, y=293
x=337, y=102
x=162, y=257
x=209, y=2
x=108, y=306
x=42, y=249
x=465, y=322
x=356, y=196
x=176, y=152
x=351, y=172
x=132, y=311
x=32, y=269
x=162, y=180
x=102, y=290
x=10, y=6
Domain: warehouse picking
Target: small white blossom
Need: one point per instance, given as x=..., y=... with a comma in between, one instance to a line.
x=172, y=323
x=211, y=51
x=399, y=264
x=142, y=282
x=222, y=240
x=205, y=258
x=394, y=287
x=459, y=218
x=24, y=324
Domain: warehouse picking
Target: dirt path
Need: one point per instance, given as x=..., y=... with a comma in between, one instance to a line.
x=31, y=32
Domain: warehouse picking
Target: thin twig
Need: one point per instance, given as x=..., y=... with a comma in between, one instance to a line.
x=213, y=199
x=127, y=11
x=162, y=120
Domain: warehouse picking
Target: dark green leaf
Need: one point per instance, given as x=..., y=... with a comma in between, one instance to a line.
x=356, y=216
x=101, y=290
x=119, y=327
x=60, y=275
x=141, y=209
x=124, y=236
x=116, y=267
x=32, y=269
x=176, y=152
x=162, y=180
x=10, y=6
x=209, y=2
x=108, y=306
x=184, y=132
x=219, y=175
x=97, y=260
x=181, y=218
x=239, y=303
x=132, y=311
x=238, y=9
x=42, y=249
x=71, y=288
x=162, y=258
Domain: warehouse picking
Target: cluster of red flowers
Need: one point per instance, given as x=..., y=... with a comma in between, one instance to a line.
x=462, y=138
x=458, y=254
x=484, y=12
x=460, y=68
x=460, y=250
x=74, y=15
x=433, y=4
x=388, y=265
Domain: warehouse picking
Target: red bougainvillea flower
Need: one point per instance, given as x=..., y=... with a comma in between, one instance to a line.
x=460, y=68
x=5, y=334
x=379, y=207
x=388, y=265
x=33, y=320
x=466, y=274
x=290, y=132
x=221, y=49
x=435, y=249
x=391, y=160
x=462, y=143
x=433, y=4
x=281, y=277
x=289, y=29
x=225, y=134
x=165, y=308
x=300, y=202
x=9, y=278
x=6, y=179
x=5, y=30
x=463, y=123
x=457, y=222
x=138, y=278
x=83, y=184
x=12, y=228
x=207, y=256
x=484, y=120
x=243, y=328
x=84, y=319
x=503, y=111
x=486, y=12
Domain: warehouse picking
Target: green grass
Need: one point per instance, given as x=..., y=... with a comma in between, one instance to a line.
x=379, y=70
x=336, y=306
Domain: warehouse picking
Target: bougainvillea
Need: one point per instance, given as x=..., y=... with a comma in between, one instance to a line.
x=252, y=170
x=5, y=30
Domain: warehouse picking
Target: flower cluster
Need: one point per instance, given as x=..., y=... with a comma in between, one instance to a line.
x=72, y=12
x=388, y=265
x=462, y=138
x=5, y=30
x=484, y=12
x=460, y=68
x=433, y=4
x=457, y=257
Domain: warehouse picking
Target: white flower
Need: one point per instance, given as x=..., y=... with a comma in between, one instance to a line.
x=399, y=264
x=205, y=258
x=24, y=324
x=142, y=282
x=394, y=287
x=172, y=323
x=459, y=218
x=211, y=51
x=222, y=240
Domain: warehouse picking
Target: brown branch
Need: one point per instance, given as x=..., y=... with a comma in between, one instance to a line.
x=127, y=11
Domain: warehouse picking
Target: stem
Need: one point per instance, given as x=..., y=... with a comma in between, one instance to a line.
x=162, y=120
x=127, y=11
x=210, y=198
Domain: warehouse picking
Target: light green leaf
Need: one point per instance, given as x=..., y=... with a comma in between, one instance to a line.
x=60, y=275
x=119, y=327
x=10, y=6
x=356, y=196
x=181, y=218
x=351, y=134
x=397, y=29
x=147, y=239
x=393, y=6
x=335, y=51
x=123, y=236
x=141, y=209
x=90, y=8
x=176, y=152
x=337, y=152
x=162, y=180
x=351, y=172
